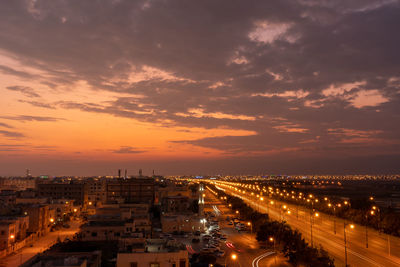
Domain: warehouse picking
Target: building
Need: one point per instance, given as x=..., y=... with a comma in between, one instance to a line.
x=18, y=183
x=65, y=259
x=71, y=190
x=177, y=204
x=96, y=191
x=158, y=253
x=132, y=190
x=181, y=223
x=12, y=229
x=105, y=230
x=40, y=217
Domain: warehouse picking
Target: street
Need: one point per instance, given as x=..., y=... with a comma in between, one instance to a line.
x=243, y=244
x=39, y=246
x=383, y=250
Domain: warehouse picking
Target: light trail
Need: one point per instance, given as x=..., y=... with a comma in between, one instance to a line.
x=262, y=256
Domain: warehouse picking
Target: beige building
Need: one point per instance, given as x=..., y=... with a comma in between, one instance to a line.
x=131, y=190
x=96, y=191
x=77, y=191
x=65, y=259
x=182, y=222
x=12, y=229
x=39, y=218
x=158, y=254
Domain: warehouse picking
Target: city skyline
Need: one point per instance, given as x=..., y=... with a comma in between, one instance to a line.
x=276, y=87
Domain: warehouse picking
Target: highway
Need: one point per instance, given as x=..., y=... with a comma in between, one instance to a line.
x=243, y=244
x=382, y=251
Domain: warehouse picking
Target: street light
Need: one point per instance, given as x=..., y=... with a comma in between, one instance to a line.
x=272, y=240
x=372, y=212
x=232, y=257
x=251, y=226
x=345, y=241
x=311, y=225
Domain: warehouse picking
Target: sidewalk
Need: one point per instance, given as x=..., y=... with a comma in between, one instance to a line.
x=39, y=246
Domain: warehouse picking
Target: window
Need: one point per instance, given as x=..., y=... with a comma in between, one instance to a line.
x=94, y=233
x=155, y=264
x=134, y=264
x=182, y=263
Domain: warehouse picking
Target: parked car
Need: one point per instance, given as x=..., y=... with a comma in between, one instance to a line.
x=220, y=253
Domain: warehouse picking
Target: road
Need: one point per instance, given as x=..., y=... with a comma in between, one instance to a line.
x=323, y=226
x=243, y=244
x=39, y=246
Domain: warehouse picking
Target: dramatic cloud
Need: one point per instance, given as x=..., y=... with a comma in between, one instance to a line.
x=24, y=90
x=24, y=118
x=11, y=134
x=5, y=125
x=306, y=78
x=127, y=150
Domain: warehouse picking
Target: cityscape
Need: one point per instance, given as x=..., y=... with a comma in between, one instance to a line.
x=186, y=221
x=171, y=133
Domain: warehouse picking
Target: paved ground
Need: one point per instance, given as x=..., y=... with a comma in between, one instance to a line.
x=39, y=246
x=243, y=244
x=323, y=228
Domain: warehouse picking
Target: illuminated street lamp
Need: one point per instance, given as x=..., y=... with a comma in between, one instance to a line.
x=251, y=226
x=345, y=241
x=233, y=257
x=272, y=240
x=372, y=212
x=311, y=225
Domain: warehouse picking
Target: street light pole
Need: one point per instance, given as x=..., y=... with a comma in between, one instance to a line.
x=271, y=239
x=345, y=244
x=345, y=241
x=334, y=219
x=366, y=230
x=311, y=229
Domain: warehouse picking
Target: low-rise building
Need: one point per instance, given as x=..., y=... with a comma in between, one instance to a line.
x=158, y=253
x=132, y=190
x=65, y=259
x=71, y=190
x=12, y=229
x=105, y=230
x=181, y=223
x=39, y=217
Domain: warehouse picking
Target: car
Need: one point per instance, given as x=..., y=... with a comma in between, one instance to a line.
x=223, y=237
x=197, y=233
x=206, y=237
x=220, y=253
x=206, y=250
x=195, y=240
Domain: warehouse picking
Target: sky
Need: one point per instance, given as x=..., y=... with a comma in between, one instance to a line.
x=199, y=87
